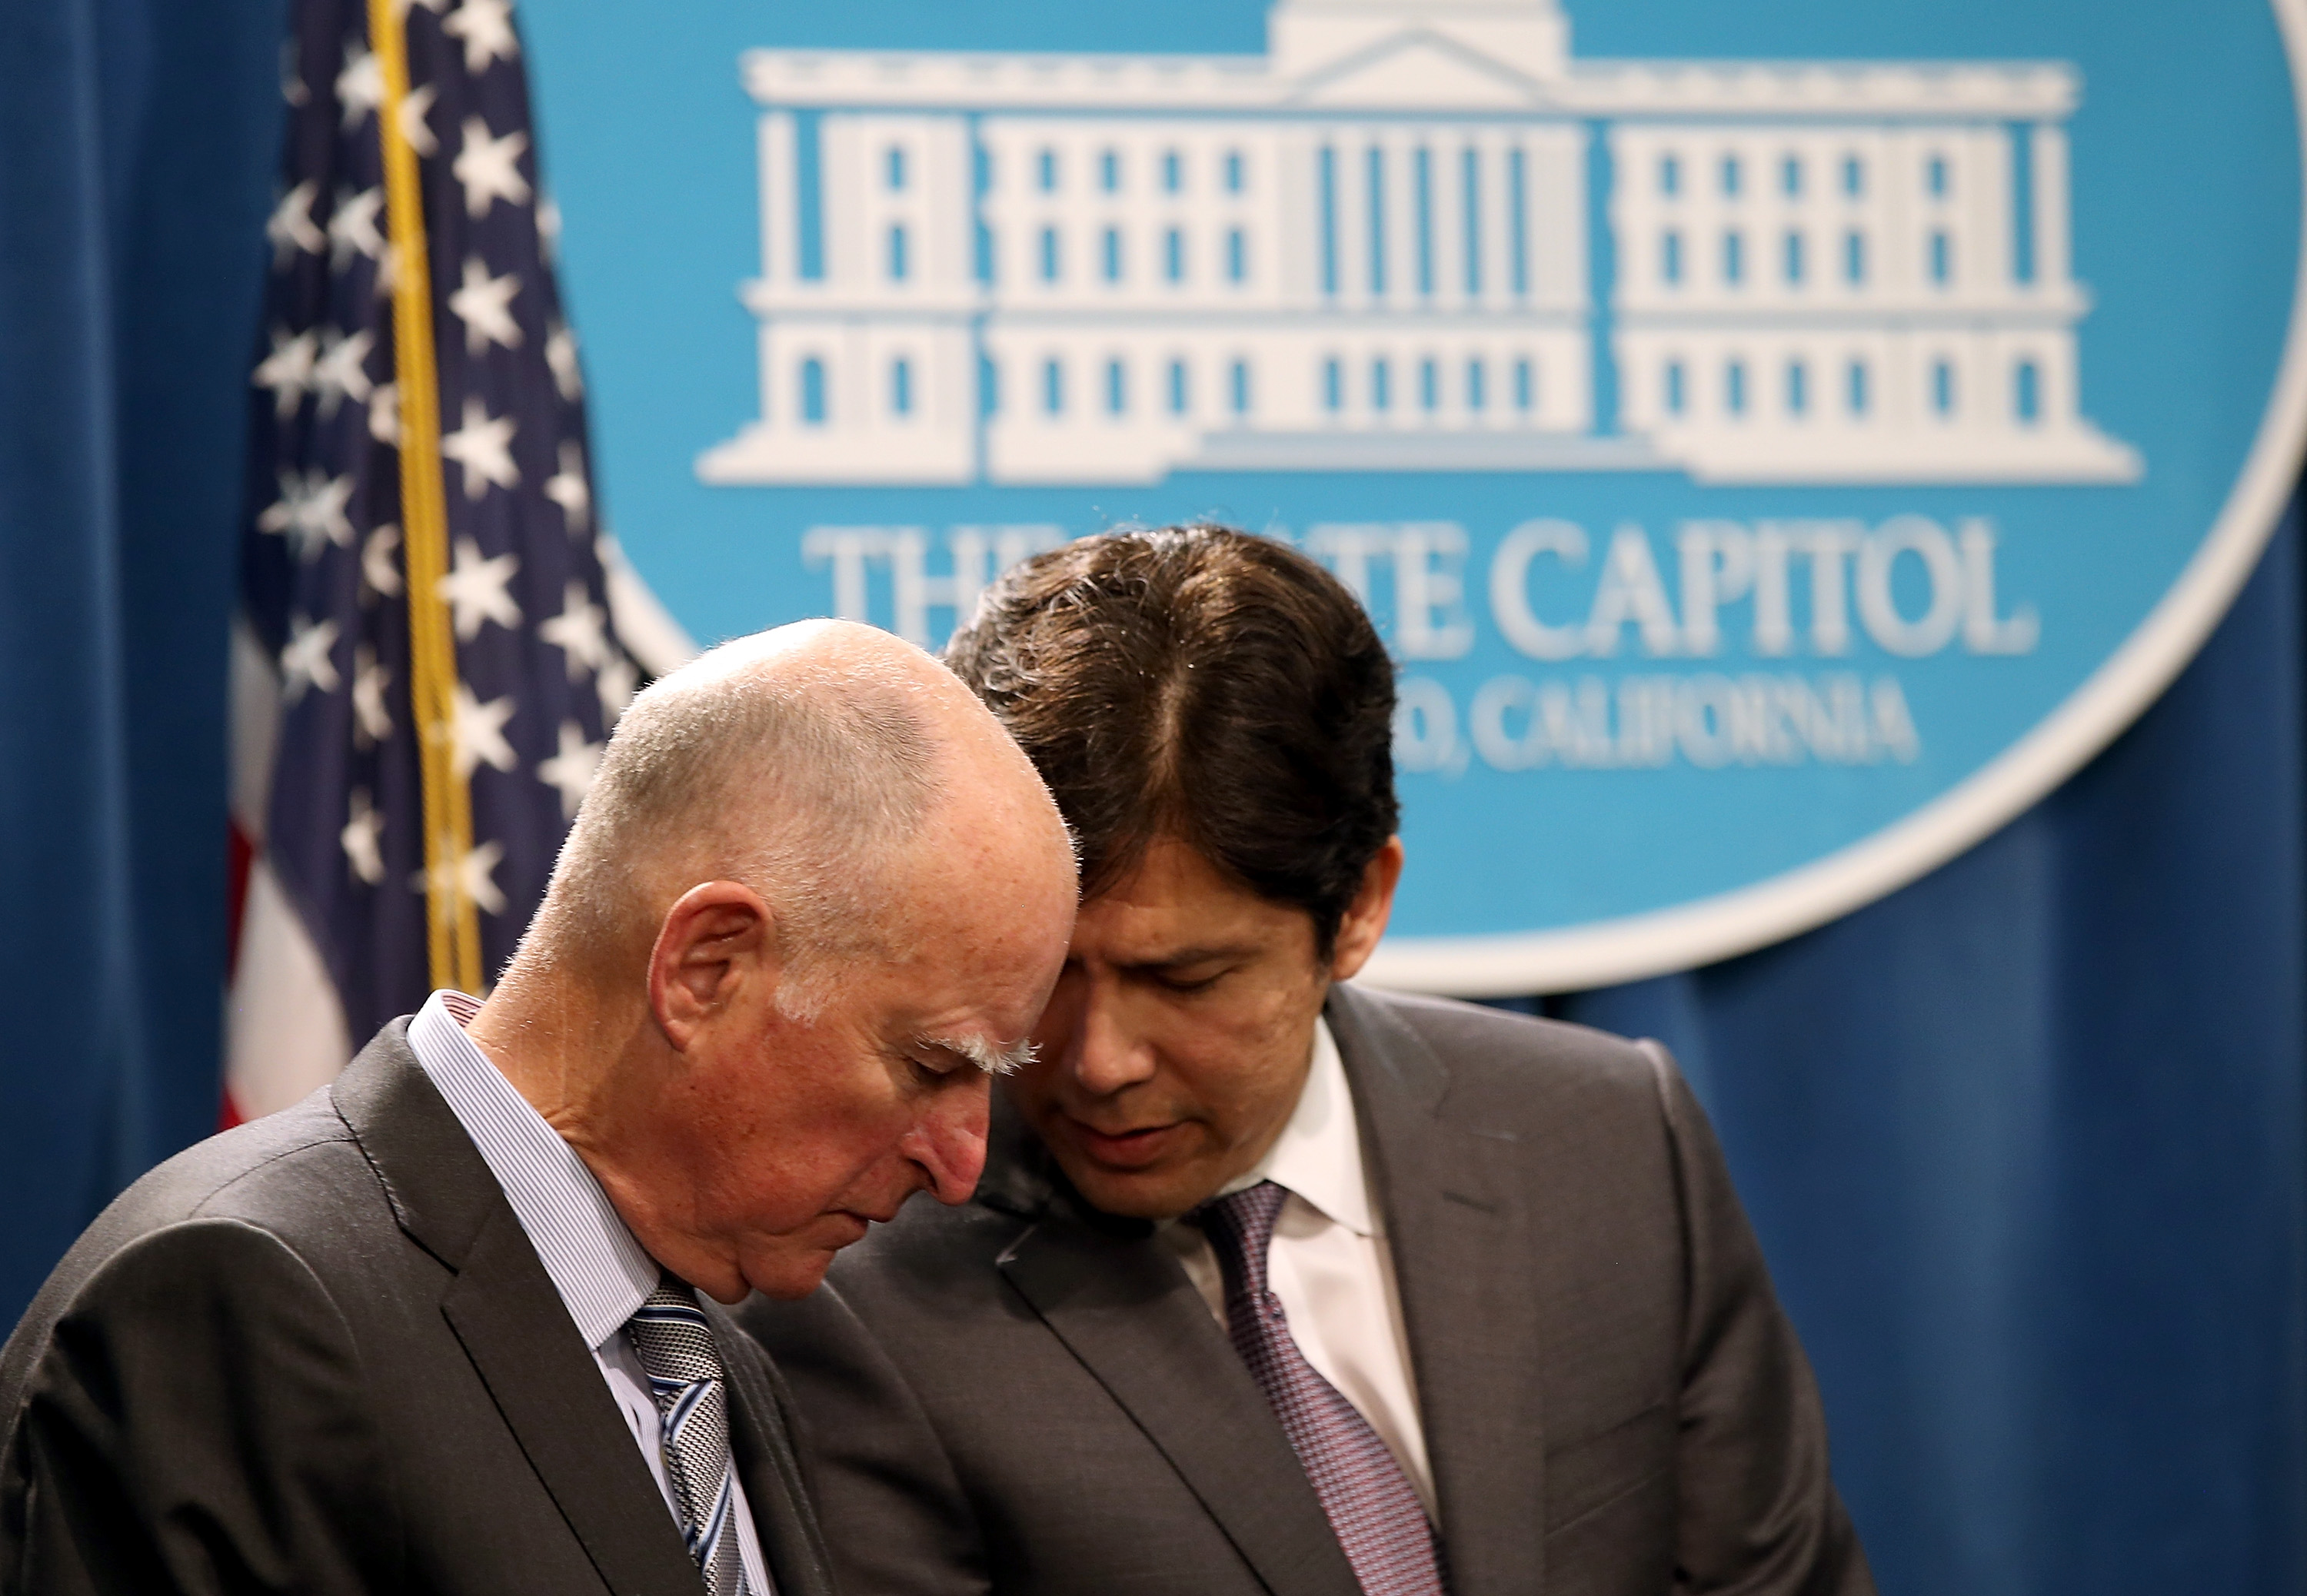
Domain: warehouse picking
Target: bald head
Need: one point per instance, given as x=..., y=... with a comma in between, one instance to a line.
x=813, y=763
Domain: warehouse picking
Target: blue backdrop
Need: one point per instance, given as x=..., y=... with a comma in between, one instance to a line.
x=2026, y=1142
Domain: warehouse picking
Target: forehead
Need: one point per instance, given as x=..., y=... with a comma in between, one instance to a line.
x=1174, y=897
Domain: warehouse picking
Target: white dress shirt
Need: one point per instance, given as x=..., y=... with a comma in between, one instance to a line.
x=601, y=1272
x=1329, y=1263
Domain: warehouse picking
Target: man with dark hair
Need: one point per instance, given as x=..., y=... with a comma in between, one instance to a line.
x=1273, y=1284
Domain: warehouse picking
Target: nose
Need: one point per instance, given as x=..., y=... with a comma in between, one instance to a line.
x=1105, y=1052
x=946, y=1142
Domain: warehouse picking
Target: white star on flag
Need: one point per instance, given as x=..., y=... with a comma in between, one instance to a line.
x=309, y=511
x=290, y=227
x=341, y=372
x=567, y=489
x=305, y=662
x=484, y=305
x=486, y=28
x=360, y=86
x=379, y=573
x=474, y=588
x=573, y=768
x=617, y=683
x=486, y=168
x=287, y=370
x=384, y=414
x=484, y=447
x=414, y=109
x=476, y=733
x=362, y=826
x=469, y=876
x=560, y=355
x=352, y=226
x=580, y=632
x=372, y=720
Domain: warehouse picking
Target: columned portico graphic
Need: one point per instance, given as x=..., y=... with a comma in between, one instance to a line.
x=1416, y=235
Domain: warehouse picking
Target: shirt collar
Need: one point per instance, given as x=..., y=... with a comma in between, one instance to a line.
x=601, y=1272
x=1318, y=1155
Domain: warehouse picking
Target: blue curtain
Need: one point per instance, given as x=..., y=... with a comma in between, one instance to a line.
x=2026, y=1141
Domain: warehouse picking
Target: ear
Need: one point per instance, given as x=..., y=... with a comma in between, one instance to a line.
x=1366, y=916
x=716, y=940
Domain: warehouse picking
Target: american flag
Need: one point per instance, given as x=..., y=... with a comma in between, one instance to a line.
x=335, y=931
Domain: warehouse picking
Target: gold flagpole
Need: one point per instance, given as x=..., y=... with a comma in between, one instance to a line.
x=453, y=939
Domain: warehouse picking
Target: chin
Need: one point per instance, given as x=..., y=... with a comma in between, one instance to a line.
x=1148, y=1194
x=792, y=1277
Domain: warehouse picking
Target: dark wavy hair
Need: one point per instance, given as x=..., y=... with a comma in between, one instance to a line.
x=1198, y=683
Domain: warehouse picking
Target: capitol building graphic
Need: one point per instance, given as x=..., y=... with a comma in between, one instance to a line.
x=1413, y=236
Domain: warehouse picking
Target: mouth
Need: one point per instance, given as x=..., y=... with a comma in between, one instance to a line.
x=1124, y=1149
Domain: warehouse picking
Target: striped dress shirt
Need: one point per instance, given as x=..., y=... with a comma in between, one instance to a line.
x=601, y=1272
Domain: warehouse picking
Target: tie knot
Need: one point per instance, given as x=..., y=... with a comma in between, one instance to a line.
x=671, y=1336
x=1240, y=1227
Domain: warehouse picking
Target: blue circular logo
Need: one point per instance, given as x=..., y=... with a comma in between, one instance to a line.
x=1778, y=442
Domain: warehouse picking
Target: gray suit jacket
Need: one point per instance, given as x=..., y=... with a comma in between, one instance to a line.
x=1025, y=1395
x=318, y=1354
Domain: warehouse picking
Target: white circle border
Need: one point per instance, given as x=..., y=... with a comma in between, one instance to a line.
x=1605, y=952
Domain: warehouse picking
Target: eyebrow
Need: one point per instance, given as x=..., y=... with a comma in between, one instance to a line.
x=978, y=1051
x=1187, y=956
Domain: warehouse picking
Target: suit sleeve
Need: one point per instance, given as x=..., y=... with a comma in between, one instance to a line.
x=895, y=1518
x=1758, y=1513
x=195, y=1425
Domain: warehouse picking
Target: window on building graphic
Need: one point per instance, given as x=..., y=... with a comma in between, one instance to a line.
x=1671, y=256
x=988, y=386
x=1730, y=177
x=1053, y=388
x=1381, y=385
x=2026, y=392
x=1855, y=383
x=1046, y=171
x=1790, y=177
x=1112, y=246
x=1049, y=254
x=1239, y=382
x=1942, y=256
x=1234, y=172
x=1429, y=385
x=1333, y=386
x=901, y=385
x=1797, y=388
x=895, y=164
x=1669, y=175
x=1674, y=398
x=1854, y=176
x=1734, y=388
x=1476, y=385
x=985, y=236
x=1792, y=251
x=1237, y=255
x=1935, y=177
x=1854, y=258
x=1117, y=387
x=1734, y=257
x=1109, y=171
x=813, y=406
x=897, y=263
x=1525, y=384
x=1173, y=172
x=982, y=167
x=1942, y=388
x=1173, y=255
x=1177, y=387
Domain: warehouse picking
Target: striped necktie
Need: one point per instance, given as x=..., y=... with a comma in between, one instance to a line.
x=1369, y=1500
x=676, y=1351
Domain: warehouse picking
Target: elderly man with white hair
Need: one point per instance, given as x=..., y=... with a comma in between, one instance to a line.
x=438, y=1328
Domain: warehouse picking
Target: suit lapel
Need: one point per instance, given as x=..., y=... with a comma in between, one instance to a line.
x=1461, y=1249
x=761, y=1436
x=511, y=1322
x=1128, y=1313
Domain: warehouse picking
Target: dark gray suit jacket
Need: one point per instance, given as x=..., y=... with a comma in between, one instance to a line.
x=1025, y=1395
x=318, y=1354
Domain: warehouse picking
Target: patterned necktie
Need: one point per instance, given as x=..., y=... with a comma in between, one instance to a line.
x=1377, y=1516
x=676, y=1350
